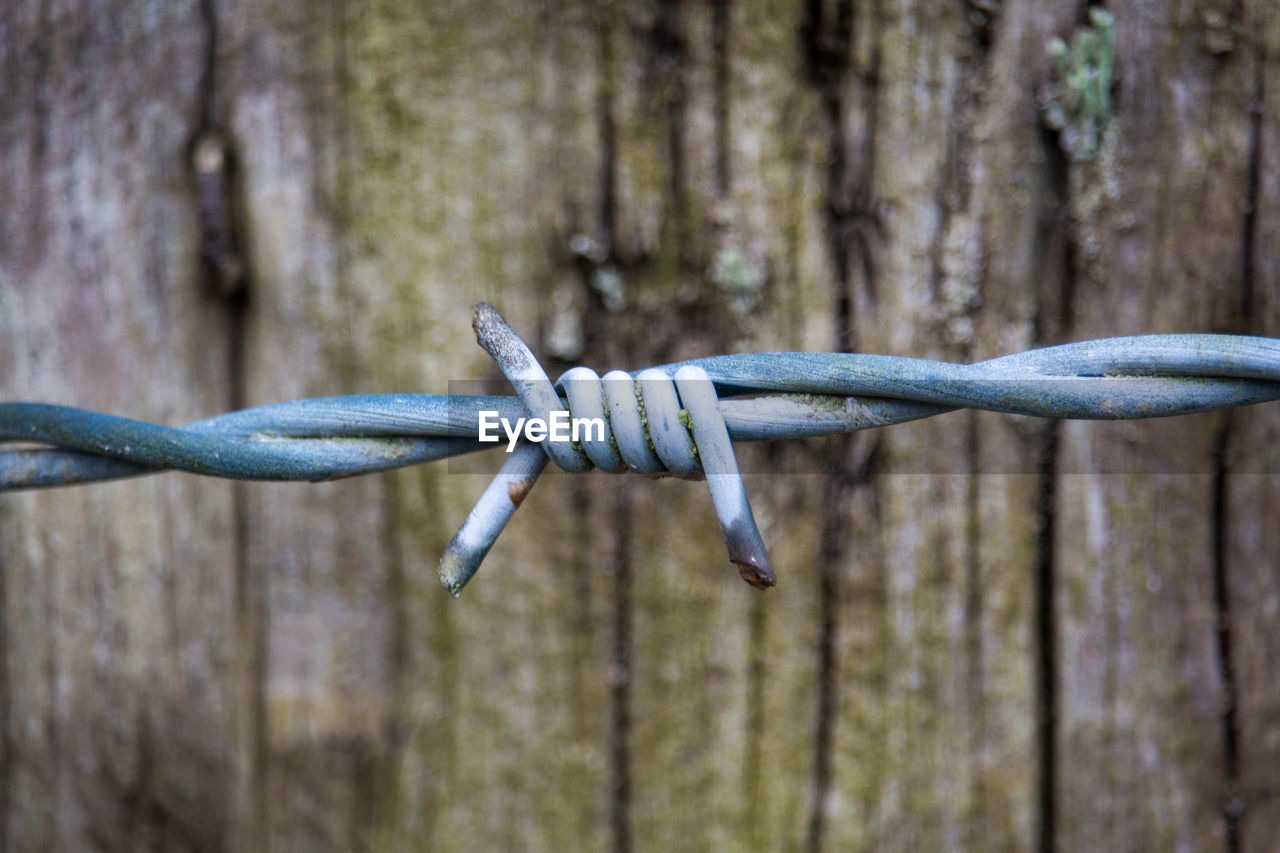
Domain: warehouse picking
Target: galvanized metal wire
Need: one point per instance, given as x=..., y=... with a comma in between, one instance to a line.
x=675, y=419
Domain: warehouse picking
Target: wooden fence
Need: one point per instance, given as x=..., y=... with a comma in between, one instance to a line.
x=989, y=632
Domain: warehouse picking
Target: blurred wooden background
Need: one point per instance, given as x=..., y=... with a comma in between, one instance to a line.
x=989, y=633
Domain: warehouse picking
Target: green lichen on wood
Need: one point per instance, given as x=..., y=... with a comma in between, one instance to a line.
x=739, y=277
x=1077, y=103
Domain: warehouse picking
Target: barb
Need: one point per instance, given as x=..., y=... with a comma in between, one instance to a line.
x=673, y=420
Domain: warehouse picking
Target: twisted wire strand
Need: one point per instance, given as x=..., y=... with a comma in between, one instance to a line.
x=677, y=419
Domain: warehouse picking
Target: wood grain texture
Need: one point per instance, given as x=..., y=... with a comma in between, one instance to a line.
x=117, y=665
x=1141, y=681
x=989, y=633
x=1251, y=474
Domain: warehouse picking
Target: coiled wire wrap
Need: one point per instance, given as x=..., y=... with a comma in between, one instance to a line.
x=676, y=419
x=644, y=433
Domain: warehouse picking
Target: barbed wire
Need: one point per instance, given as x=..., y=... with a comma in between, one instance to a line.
x=676, y=419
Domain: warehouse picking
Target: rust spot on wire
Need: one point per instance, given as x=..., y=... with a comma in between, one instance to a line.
x=518, y=490
x=757, y=576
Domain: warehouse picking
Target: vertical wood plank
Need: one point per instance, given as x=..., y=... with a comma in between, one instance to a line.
x=936, y=738
x=1141, y=691
x=1250, y=485
x=116, y=682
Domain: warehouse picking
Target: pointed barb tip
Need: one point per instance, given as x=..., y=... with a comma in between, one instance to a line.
x=761, y=577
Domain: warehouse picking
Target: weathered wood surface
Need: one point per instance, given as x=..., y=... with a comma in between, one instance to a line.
x=989, y=633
